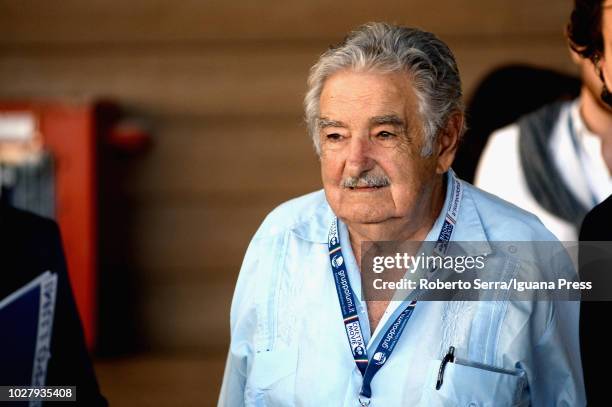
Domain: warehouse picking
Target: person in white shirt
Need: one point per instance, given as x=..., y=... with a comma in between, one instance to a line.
x=555, y=162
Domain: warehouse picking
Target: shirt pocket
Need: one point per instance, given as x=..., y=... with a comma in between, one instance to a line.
x=271, y=381
x=473, y=385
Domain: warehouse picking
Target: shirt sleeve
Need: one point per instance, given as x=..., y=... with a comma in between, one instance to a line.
x=243, y=323
x=556, y=372
x=555, y=369
x=232, y=388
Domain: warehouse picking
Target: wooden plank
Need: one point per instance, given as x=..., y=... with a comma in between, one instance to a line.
x=187, y=232
x=100, y=21
x=161, y=380
x=161, y=275
x=231, y=82
x=199, y=156
x=206, y=186
x=474, y=62
x=204, y=189
x=188, y=317
x=210, y=82
x=207, y=235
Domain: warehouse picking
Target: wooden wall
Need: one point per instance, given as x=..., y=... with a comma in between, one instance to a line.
x=221, y=83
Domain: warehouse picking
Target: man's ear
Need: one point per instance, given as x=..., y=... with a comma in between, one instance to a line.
x=576, y=58
x=448, y=142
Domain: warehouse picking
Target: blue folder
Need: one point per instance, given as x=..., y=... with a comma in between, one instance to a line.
x=26, y=326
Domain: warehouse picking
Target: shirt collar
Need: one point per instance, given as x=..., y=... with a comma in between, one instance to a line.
x=316, y=228
x=469, y=229
x=579, y=128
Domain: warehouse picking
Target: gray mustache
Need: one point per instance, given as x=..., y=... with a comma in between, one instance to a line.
x=366, y=180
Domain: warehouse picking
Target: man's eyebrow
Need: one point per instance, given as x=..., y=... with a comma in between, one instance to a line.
x=324, y=122
x=391, y=119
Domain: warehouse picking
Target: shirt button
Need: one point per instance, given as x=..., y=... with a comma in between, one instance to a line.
x=472, y=404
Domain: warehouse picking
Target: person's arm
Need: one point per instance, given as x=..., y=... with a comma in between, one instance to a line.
x=232, y=389
x=243, y=320
x=554, y=367
x=555, y=377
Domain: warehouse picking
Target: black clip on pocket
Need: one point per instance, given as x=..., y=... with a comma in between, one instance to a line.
x=450, y=357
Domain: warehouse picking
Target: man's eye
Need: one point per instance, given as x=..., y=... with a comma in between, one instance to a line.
x=385, y=135
x=333, y=137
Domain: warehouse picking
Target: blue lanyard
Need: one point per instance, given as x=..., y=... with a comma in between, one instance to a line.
x=348, y=304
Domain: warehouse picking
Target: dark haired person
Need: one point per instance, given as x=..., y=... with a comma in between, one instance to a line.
x=597, y=227
x=556, y=162
x=590, y=34
x=29, y=246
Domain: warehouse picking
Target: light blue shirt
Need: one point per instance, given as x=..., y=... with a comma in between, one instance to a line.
x=289, y=346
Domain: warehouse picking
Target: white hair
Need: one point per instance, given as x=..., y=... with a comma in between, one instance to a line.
x=387, y=48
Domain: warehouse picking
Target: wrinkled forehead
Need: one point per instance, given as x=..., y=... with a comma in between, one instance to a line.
x=382, y=97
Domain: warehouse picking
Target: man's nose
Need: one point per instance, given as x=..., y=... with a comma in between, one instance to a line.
x=359, y=157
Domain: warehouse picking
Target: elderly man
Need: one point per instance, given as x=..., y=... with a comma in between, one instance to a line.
x=385, y=113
